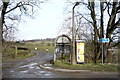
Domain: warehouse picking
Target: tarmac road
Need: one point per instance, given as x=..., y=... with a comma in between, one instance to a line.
x=29, y=68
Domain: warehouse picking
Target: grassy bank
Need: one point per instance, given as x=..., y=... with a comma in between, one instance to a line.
x=9, y=50
x=86, y=66
x=9, y=54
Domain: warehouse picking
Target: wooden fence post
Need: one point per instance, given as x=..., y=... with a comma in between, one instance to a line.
x=16, y=52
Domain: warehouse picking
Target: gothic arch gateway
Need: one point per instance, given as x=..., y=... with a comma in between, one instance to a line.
x=62, y=46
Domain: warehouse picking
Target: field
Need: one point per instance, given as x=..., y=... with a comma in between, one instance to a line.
x=9, y=51
x=9, y=54
x=39, y=46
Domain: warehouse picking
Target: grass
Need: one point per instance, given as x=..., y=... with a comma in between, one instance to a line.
x=40, y=47
x=9, y=53
x=86, y=66
x=26, y=56
x=65, y=64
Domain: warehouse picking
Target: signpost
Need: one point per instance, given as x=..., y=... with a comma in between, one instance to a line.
x=103, y=40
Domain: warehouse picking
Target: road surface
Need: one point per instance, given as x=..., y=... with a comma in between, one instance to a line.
x=29, y=68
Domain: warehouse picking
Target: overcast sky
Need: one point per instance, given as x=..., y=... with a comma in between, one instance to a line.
x=47, y=21
x=45, y=24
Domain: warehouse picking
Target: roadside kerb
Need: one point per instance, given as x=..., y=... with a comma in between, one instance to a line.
x=62, y=70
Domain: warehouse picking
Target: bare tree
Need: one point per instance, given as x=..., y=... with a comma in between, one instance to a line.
x=14, y=11
x=102, y=17
x=84, y=30
x=112, y=8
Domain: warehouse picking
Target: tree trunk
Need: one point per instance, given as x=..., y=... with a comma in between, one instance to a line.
x=1, y=31
x=5, y=4
x=0, y=45
x=96, y=33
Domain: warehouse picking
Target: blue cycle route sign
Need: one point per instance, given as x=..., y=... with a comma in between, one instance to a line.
x=103, y=40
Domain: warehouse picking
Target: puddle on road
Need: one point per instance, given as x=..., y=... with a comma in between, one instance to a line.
x=31, y=67
x=24, y=71
x=47, y=74
x=25, y=68
x=34, y=69
x=47, y=64
x=41, y=72
x=44, y=72
x=37, y=67
x=12, y=71
x=28, y=65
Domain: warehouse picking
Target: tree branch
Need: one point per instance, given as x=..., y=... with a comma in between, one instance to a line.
x=118, y=9
x=21, y=4
x=105, y=6
x=111, y=22
x=85, y=18
x=116, y=24
x=14, y=8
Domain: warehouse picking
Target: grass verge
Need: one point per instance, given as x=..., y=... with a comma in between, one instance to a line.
x=91, y=67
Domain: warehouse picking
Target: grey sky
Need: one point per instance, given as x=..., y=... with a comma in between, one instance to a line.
x=45, y=23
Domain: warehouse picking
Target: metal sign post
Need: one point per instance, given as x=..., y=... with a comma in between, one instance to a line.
x=103, y=53
x=103, y=41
